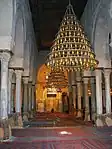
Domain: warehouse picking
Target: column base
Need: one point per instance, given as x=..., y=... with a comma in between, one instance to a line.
x=104, y=120
x=108, y=119
x=75, y=112
x=31, y=114
x=87, y=116
x=79, y=114
x=5, y=129
x=25, y=116
x=18, y=121
x=93, y=116
x=12, y=121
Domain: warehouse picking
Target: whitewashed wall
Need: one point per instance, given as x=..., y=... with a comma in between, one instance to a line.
x=97, y=21
x=17, y=34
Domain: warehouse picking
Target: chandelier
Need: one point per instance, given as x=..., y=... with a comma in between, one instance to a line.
x=71, y=49
x=56, y=79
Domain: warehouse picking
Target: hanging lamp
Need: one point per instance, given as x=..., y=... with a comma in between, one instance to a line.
x=56, y=79
x=71, y=50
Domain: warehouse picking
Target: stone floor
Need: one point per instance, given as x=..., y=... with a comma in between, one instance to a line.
x=79, y=136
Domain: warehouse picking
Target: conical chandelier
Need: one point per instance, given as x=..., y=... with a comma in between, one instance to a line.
x=71, y=49
x=56, y=79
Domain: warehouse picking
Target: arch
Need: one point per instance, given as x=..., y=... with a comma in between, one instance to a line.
x=19, y=41
x=27, y=53
x=31, y=60
x=19, y=38
x=100, y=35
x=94, y=21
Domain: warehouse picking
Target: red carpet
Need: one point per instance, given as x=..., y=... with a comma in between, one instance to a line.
x=52, y=132
x=78, y=144
x=80, y=137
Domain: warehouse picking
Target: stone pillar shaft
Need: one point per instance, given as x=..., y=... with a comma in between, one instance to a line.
x=29, y=96
x=99, y=92
x=107, y=90
x=13, y=96
x=25, y=94
x=74, y=89
x=18, y=90
x=4, y=85
x=70, y=92
x=87, y=112
x=93, y=97
x=33, y=96
x=11, y=71
x=79, y=92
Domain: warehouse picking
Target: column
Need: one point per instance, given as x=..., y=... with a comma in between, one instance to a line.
x=79, y=98
x=18, y=89
x=99, y=92
x=13, y=97
x=5, y=57
x=107, y=90
x=93, y=97
x=33, y=97
x=4, y=123
x=70, y=91
x=10, y=110
x=25, y=93
x=79, y=94
x=86, y=99
x=99, y=110
x=29, y=96
x=74, y=89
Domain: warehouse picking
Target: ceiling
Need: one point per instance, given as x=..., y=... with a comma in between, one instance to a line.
x=47, y=16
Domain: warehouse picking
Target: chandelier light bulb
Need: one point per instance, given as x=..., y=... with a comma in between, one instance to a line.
x=71, y=50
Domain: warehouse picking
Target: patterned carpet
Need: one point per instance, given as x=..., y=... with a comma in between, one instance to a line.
x=80, y=144
x=81, y=136
x=60, y=138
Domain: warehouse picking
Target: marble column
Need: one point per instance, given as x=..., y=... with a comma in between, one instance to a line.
x=93, y=97
x=5, y=57
x=29, y=96
x=33, y=97
x=70, y=91
x=99, y=109
x=86, y=99
x=19, y=73
x=35, y=102
x=25, y=93
x=13, y=96
x=79, y=94
x=74, y=89
x=10, y=110
x=4, y=123
x=107, y=90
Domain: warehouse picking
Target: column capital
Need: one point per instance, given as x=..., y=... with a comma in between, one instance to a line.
x=33, y=84
x=18, y=73
x=29, y=82
x=107, y=72
x=25, y=79
x=98, y=72
x=85, y=80
x=87, y=73
x=5, y=55
x=92, y=80
x=11, y=71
